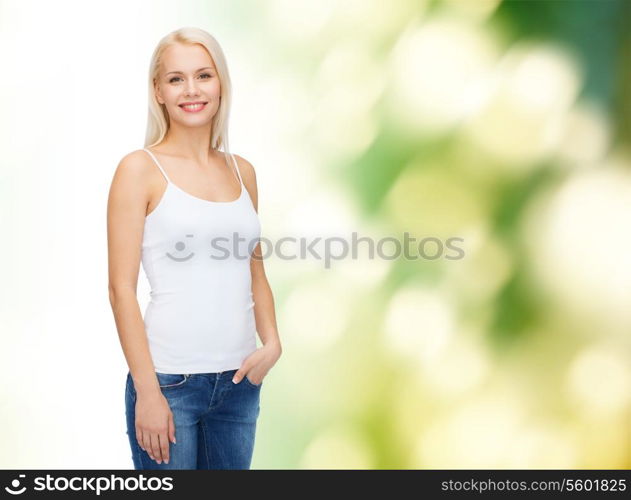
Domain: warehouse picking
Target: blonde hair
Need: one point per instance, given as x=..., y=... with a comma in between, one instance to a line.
x=158, y=118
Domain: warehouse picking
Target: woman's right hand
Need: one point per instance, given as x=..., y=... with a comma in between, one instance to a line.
x=154, y=425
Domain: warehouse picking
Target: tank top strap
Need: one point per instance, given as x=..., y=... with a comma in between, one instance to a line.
x=158, y=164
x=236, y=167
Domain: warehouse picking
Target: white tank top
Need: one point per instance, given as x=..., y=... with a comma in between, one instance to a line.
x=200, y=318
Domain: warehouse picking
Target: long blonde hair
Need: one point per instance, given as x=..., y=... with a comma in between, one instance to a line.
x=158, y=118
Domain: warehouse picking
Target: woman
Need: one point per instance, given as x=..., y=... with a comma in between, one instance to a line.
x=189, y=212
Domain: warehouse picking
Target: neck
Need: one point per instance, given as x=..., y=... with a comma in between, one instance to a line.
x=191, y=143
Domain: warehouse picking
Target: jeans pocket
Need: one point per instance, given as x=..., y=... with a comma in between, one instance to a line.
x=168, y=380
x=252, y=383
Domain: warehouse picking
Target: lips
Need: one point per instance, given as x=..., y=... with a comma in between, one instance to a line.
x=193, y=107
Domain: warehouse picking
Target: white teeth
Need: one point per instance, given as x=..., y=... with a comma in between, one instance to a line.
x=193, y=106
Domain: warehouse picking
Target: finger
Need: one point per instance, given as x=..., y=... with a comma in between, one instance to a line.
x=171, y=428
x=146, y=440
x=164, y=446
x=139, y=438
x=155, y=446
x=239, y=375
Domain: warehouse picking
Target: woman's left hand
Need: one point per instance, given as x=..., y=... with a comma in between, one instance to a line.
x=257, y=364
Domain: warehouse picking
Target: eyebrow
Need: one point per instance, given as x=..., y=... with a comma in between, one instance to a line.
x=179, y=72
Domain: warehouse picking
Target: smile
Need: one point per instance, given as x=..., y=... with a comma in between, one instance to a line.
x=193, y=108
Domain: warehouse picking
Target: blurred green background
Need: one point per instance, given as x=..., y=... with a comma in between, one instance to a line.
x=503, y=123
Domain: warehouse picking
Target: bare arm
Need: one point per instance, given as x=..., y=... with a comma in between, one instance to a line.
x=126, y=209
x=264, y=312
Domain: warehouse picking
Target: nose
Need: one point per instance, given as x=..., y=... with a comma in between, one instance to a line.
x=191, y=88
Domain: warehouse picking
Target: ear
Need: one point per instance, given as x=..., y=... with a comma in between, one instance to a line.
x=156, y=89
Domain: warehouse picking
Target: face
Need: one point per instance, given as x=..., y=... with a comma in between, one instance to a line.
x=188, y=74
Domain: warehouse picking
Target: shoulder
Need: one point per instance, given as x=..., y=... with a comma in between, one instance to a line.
x=248, y=175
x=134, y=173
x=137, y=166
x=245, y=167
x=136, y=161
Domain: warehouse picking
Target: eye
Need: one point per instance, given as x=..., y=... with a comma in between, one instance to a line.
x=178, y=78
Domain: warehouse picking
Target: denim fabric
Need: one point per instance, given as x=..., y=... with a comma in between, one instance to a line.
x=215, y=421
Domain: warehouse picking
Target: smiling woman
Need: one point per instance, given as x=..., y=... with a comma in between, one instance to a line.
x=194, y=367
x=171, y=85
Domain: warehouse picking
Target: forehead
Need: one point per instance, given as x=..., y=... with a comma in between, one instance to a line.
x=186, y=58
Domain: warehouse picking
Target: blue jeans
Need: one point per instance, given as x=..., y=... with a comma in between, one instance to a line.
x=215, y=421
